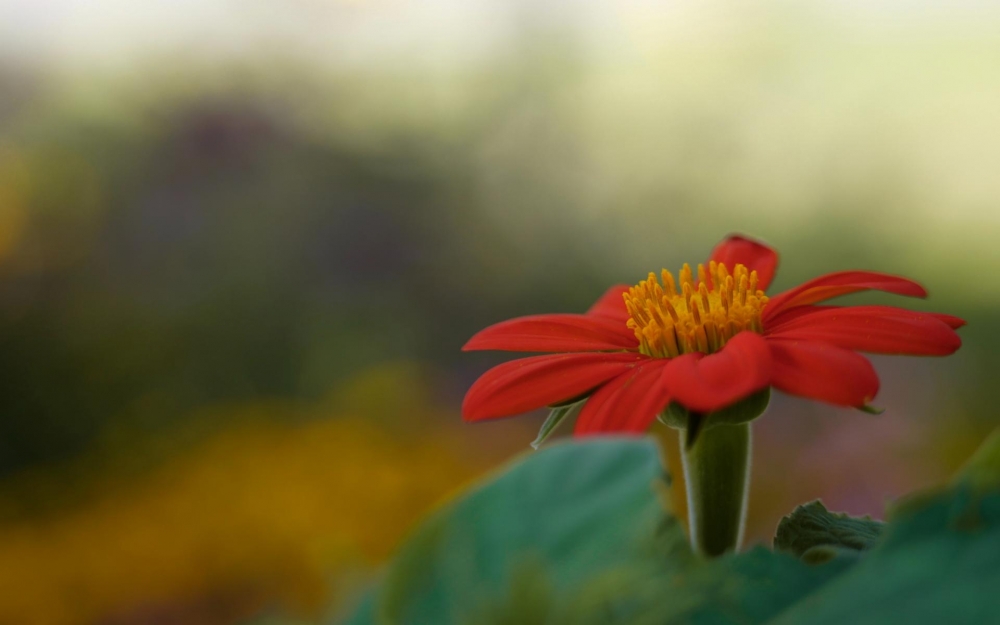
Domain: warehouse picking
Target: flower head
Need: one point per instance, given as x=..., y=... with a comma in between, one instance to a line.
x=705, y=340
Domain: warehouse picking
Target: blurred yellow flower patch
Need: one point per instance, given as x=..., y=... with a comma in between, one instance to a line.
x=261, y=512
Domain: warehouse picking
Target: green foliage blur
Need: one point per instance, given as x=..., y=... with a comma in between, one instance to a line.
x=240, y=252
x=606, y=550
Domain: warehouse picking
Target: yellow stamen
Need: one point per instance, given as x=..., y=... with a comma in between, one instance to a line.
x=698, y=316
x=702, y=339
x=668, y=282
x=685, y=275
x=668, y=305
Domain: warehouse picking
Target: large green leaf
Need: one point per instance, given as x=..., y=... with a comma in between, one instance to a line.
x=566, y=515
x=753, y=587
x=576, y=535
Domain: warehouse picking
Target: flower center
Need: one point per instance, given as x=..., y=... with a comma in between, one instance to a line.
x=701, y=316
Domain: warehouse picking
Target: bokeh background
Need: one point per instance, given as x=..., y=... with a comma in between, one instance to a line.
x=242, y=244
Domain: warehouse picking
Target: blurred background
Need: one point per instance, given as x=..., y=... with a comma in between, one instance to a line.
x=242, y=244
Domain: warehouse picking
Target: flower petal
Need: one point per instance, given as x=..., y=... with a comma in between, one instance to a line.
x=755, y=255
x=874, y=329
x=708, y=383
x=528, y=383
x=951, y=321
x=773, y=324
x=823, y=372
x=555, y=333
x=841, y=283
x=611, y=304
x=629, y=403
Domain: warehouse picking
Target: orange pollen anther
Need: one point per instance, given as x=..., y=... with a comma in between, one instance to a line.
x=699, y=316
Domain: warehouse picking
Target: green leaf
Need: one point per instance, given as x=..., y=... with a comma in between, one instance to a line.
x=871, y=409
x=579, y=509
x=746, y=589
x=572, y=400
x=811, y=526
x=556, y=416
x=574, y=535
x=937, y=564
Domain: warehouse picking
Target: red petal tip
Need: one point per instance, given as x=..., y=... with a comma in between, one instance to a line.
x=952, y=321
x=753, y=254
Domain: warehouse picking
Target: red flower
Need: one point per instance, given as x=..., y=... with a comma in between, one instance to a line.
x=705, y=342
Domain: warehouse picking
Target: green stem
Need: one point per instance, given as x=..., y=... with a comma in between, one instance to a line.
x=716, y=472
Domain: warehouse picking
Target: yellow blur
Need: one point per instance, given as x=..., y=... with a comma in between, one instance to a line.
x=259, y=513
